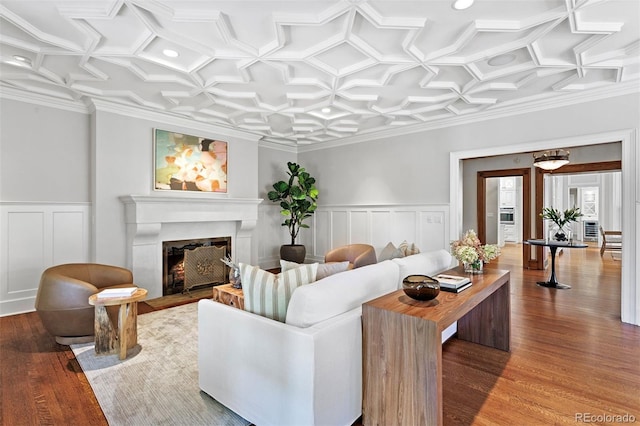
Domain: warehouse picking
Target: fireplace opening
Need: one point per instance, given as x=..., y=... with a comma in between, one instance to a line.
x=194, y=264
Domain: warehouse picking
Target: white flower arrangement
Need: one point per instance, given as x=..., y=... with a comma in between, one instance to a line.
x=470, y=250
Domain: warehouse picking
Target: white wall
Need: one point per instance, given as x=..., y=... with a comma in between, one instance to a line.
x=44, y=153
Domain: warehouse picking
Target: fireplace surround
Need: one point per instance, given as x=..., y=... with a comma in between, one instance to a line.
x=151, y=219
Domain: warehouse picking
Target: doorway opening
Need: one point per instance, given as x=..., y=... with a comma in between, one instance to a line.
x=504, y=208
x=576, y=197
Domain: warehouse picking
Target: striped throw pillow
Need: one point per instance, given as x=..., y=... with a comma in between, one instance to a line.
x=408, y=249
x=268, y=294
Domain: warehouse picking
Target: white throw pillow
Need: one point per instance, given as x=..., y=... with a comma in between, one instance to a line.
x=390, y=252
x=324, y=269
x=268, y=294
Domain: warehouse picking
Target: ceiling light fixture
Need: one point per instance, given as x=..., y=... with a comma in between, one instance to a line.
x=500, y=60
x=170, y=53
x=462, y=4
x=551, y=160
x=326, y=110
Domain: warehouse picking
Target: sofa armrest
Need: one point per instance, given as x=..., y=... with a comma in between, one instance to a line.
x=273, y=373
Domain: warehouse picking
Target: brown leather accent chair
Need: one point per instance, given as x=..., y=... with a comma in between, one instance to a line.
x=357, y=254
x=63, y=298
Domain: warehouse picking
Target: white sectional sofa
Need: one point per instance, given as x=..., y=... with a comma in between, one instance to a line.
x=308, y=370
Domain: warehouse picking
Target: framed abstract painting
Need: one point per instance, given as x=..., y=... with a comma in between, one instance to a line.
x=189, y=163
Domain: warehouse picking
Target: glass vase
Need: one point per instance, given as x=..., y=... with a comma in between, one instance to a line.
x=234, y=277
x=560, y=234
x=474, y=267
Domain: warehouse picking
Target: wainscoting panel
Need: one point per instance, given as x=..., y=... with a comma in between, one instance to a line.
x=27, y=243
x=69, y=236
x=360, y=226
x=321, y=221
x=340, y=234
x=332, y=226
x=380, y=229
x=33, y=237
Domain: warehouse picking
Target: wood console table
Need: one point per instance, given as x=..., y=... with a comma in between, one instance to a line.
x=402, y=338
x=226, y=294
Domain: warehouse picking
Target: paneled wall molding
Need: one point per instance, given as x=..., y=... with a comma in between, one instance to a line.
x=426, y=225
x=35, y=236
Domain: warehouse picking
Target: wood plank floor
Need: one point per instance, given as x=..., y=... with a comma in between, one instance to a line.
x=570, y=356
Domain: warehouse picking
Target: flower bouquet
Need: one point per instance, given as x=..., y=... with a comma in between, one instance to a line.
x=472, y=253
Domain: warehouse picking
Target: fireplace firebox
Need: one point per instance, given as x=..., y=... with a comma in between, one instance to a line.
x=195, y=263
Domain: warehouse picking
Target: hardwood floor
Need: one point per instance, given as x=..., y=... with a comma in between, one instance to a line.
x=570, y=356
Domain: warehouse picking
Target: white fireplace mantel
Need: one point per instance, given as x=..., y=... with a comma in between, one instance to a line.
x=150, y=219
x=157, y=209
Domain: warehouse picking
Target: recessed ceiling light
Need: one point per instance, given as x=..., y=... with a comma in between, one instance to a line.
x=326, y=110
x=19, y=61
x=462, y=4
x=500, y=60
x=170, y=53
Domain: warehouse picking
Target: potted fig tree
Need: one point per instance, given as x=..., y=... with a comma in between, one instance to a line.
x=297, y=198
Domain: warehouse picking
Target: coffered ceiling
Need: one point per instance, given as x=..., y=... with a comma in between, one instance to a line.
x=300, y=72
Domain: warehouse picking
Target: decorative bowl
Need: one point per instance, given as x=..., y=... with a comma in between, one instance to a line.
x=421, y=287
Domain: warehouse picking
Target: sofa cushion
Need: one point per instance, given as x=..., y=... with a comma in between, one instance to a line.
x=268, y=294
x=341, y=293
x=427, y=263
x=324, y=269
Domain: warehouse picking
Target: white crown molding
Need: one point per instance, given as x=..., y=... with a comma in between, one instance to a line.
x=171, y=119
x=43, y=100
x=129, y=111
x=619, y=89
x=278, y=147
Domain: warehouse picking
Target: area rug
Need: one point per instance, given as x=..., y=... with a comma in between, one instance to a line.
x=157, y=384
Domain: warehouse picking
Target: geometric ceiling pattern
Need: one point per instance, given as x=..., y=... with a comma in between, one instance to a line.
x=304, y=72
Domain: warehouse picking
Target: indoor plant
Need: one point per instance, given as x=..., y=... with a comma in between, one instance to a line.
x=297, y=198
x=560, y=232
x=472, y=253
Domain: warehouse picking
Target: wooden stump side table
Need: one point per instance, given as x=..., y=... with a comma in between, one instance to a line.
x=228, y=295
x=122, y=333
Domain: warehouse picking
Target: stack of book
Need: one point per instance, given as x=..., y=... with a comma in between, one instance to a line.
x=453, y=283
x=109, y=293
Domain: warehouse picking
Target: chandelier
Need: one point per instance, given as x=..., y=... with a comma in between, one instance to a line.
x=551, y=160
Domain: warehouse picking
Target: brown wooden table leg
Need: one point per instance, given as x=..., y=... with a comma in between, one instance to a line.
x=105, y=336
x=489, y=323
x=116, y=338
x=403, y=370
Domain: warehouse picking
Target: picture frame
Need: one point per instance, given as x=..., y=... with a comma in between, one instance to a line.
x=189, y=163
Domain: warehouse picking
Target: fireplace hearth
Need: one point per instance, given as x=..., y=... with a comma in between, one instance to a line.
x=194, y=263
